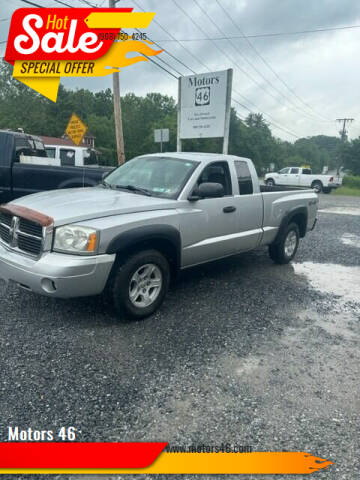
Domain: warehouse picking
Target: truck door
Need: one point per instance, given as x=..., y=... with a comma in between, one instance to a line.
x=282, y=177
x=31, y=178
x=294, y=176
x=211, y=231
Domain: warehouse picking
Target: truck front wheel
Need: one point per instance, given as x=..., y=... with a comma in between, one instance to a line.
x=284, y=250
x=137, y=287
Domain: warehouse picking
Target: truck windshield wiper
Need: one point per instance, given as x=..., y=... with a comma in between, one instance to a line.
x=133, y=188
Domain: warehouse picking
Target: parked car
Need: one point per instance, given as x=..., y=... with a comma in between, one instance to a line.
x=71, y=156
x=152, y=217
x=303, y=177
x=24, y=168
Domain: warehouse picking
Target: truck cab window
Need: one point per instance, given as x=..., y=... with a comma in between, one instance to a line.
x=294, y=171
x=90, y=157
x=217, y=172
x=50, y=152
x=306, y=171
x=284, y=170
x=67, y=157
x=22, y=147
x=244, y=178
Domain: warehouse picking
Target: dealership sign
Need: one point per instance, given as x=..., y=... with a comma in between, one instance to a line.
x=204, y=104
x=45, y=44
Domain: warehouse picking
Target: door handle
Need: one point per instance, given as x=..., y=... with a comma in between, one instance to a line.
x=229, y=209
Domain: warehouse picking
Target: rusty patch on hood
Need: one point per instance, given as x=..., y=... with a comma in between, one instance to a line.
x=27, y=213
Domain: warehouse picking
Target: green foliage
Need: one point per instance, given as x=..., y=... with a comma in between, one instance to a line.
x=354, y=192
x=351, y=181
x=351, y=156
x=22, y=107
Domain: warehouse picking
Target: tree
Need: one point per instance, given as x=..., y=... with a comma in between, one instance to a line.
x=351, y=155
x=21, y=107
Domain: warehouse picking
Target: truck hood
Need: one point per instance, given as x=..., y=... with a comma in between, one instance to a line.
x=79, y=204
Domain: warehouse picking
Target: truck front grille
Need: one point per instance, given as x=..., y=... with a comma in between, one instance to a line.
x=21, y=234
x=31, y=228
x=4, y=233
x=5, y=219
x=29, y=244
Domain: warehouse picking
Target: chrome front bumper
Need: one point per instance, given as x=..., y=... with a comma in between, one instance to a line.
x=56, y=274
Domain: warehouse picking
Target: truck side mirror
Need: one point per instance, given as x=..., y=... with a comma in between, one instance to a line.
x=207, y=190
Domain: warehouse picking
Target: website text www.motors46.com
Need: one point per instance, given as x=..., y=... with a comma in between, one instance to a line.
x=203, y=448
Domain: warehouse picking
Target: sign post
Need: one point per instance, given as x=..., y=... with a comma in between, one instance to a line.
x=161, y=135
x=204, y=106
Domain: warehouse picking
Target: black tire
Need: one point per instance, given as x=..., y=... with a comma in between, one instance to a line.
x=317, y=186
x=278, y=251
x=270, y=182
x=326, y=190
x=119, y=284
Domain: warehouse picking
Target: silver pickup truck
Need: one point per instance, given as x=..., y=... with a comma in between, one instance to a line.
x=150, y=218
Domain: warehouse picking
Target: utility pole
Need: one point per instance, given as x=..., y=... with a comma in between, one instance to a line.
x=343, y=133
x=117, y=110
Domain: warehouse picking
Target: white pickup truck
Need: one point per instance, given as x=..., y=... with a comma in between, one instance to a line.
x=303, y=177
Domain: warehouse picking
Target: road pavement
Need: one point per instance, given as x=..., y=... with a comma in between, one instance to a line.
x=242, y=352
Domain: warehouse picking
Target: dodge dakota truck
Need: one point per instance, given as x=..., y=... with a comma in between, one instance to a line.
x=18, y=179
x=150, y=218
x=303, y=177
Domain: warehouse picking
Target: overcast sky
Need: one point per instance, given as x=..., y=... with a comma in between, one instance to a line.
x=322, y=69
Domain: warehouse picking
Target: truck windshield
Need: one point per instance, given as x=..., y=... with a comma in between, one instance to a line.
x=158, y=176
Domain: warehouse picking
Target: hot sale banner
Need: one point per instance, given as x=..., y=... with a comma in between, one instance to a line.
x=47, y=44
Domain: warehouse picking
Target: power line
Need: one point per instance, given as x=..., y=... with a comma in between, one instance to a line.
x=32, y=3
x=249, y=63
x=167, y=64
x=88, y=3
x=264, y=35
x=222, y=51
x=175, y=40
x=158, y=65
x=266, y=62
x=63, y=3
x=274, y=124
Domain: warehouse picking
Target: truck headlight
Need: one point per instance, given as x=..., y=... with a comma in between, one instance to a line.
x=76, y=239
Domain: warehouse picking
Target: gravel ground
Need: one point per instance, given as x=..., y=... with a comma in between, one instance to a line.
x=242, y=351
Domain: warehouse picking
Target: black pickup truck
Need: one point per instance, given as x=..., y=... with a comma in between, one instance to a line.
x=18, y=179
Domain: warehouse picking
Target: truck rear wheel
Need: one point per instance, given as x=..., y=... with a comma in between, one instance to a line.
x=317, y=186
x=285, y=248
x=137, y=287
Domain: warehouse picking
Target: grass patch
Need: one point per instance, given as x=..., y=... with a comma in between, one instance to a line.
x=351, y=181
x=347, y=191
